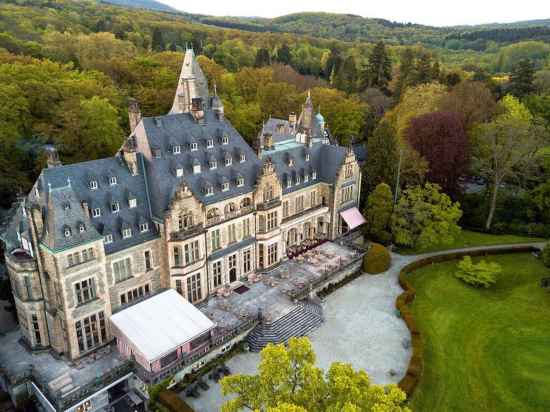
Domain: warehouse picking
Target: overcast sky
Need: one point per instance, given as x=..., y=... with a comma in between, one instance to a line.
x=430, y=12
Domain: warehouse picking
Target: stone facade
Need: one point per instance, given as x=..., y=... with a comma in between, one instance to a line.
x=184, y=204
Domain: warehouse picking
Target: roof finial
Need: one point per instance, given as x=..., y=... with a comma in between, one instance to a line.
x=309, y=93
x=215, y=90
x=68, y=181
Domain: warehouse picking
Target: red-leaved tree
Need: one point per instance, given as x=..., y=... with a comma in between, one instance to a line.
x=440, y=138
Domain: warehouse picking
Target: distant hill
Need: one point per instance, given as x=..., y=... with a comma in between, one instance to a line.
x=142, y=4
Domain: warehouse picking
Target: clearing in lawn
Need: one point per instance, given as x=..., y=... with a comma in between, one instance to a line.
x=484, y=349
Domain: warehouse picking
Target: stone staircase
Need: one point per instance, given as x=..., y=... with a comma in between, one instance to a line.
x=301, y=320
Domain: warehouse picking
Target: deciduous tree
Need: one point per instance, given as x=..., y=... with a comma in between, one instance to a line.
x=440, y=138
x=289, y=381
x=425, y=217
x=503, y=145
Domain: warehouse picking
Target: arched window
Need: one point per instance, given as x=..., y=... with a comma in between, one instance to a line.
x=246, y=202
x=230, y=208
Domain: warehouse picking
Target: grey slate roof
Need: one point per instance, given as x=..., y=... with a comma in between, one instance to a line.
x=281, y=130
x=324, y=159
x=57, y=193
x=184, y=130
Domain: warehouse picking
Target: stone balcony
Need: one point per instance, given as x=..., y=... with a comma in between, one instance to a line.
x=229, y=215
x=270, y=204
x=188, y=232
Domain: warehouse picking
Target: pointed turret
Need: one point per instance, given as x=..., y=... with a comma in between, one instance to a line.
x=306, y=118
x=192, y=84
x=217, y=105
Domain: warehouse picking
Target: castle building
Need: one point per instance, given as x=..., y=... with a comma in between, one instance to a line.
x=186, y=204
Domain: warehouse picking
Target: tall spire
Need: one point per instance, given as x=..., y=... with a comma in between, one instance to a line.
x=191, y=84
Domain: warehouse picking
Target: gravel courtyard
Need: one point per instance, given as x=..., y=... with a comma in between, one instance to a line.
x=361, y=328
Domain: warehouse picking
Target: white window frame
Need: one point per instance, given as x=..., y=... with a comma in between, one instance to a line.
x=96, y=212
x=194, y=147
x=144, y=227
x=179, y=172
x=132, y=202
x=126, y=233
x=209, y=143
x=107, y=239
x=113, y=180
x=176, y=149
x=225, y=187
x=116, y=208
x=93, y=184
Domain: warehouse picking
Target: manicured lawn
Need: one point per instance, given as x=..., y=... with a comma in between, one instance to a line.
x=468, y=238
x=484, y=349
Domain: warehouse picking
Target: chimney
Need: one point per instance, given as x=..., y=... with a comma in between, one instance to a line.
x=85, y=209
x=134, y=114
x=268, y=141
x=129, y=154
x=52, y=157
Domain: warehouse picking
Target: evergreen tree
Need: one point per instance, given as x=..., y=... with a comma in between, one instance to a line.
x=157, y=42
x=332, y=64
x=378, y=213
x=521, y=78
x=262, y=58
x=406, y=70
x=423, y=69
x=382, y=153
x=283, y=54
x=378, y=71
x=346, y=77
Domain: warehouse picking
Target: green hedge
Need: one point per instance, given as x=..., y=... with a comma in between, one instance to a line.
x=546, y=255
x=377, y=259
x=173, y=402
x=403, y=301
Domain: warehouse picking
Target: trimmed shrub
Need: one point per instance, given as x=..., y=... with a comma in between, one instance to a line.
x=377, y=259
x=545, y=255
x=482, y=274
x=173, y=402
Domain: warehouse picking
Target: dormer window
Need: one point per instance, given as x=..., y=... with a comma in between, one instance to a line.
x=298, y=179
x=157, y=153
x=209, y=191
x=93, y=184
x=307, y=157
x=288, y=182
x=108, y=239
x=228, y=160
x=225, y=186
x=306, y=178
x=66, y=206
x=144, y=227
x=126, y=233
x=179, y=171
x=225, y=139
x=213, y=163
x=112, y=180
x=115, y=207
x=210, y=143
x=290, y=162
x=314, y=175
x=96, y=212
x=240, y=181
x=176, y=149
x=196, y=167
x=67, y=231
x=132, y=202
x=194, y=146
x=81, y=228
x=243, y=157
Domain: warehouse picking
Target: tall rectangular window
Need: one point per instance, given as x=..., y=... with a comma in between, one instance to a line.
x=91, y=331
x=246, y=228
x=36, y=329
x=85, y=291
x=217, y=273
x=179, y=286
x=191, y=252
x=177, y=256
x=122, y=269
x=247, y=261
x=272, y=254
x=285, y=209
x=347, y=193
x=272, y=220
x=215, y=237
x=194, y=292
x=148, y=260
x=299, y=203
x=232, y=233
x=313, y=198
x=349, y=171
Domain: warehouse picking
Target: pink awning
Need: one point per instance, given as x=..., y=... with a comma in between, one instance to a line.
x=353, y=217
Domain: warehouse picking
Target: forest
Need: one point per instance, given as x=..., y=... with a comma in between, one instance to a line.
x=437, y=106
